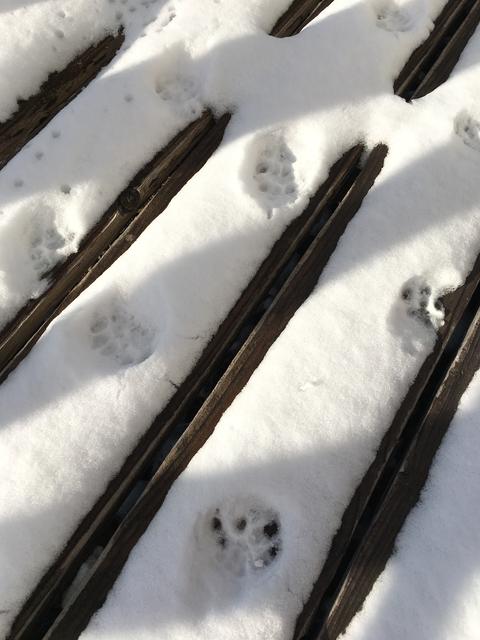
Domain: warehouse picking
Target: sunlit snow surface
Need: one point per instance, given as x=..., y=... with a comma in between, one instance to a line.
x=297, y=440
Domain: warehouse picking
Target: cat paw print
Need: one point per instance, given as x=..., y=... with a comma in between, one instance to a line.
x=274, y=174
x=241, y=538
x=468, y=130
x=181, y=94
x=422, y=304
x=47, y=243
x=395, y=19
x=117, y=335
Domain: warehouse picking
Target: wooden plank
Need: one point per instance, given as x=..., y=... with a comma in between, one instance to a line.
x=378, y=541
x=299, y=14
x=427, y=55
x=448, y=58
x=291, y=296
x=56, y=92
x=184, y=404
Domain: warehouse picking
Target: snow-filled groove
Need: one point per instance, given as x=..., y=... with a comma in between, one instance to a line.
x=187, y=401
x=298, y=285
x=432, y=63
x=57, y=91
x=121, y=225
x=410, y=465
x=392, y=484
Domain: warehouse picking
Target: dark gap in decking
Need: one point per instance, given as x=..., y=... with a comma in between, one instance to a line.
x=56, y=92
x=432, y=62
x=175, y=437
x=402, y=479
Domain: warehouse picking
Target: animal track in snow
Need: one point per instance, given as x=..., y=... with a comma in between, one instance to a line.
x=47, y=241
x=116, y=334
x=240, y=537
x=274, y=174
x=422, y=304
x=181, y=93
x=395, y=19
x=468, y=130
x=165, y=20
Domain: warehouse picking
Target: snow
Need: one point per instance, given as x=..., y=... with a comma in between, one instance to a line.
x=296, y=441
x=430, y=588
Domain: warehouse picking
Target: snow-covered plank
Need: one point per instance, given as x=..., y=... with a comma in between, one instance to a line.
x=299, y=14
x=34, y=113
x=40, y=38
x=427, y=574
x=120, y=226
x=371, y=522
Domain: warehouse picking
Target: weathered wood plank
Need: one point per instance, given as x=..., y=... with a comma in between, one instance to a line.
x=56, y=92
x=299, y=14
x=448, y=58
x=433, y=61
x=294, y=292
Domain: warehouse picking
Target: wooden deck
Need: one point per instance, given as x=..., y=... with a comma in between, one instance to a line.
x=392, y=484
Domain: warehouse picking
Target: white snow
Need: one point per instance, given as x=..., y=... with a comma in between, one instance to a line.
x=296, y=442
x=430, y=588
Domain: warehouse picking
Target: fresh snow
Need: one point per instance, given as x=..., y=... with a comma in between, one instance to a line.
x=430, y=588
x=295, y=443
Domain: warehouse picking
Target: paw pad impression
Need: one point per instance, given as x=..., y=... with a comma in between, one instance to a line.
x=241, y=537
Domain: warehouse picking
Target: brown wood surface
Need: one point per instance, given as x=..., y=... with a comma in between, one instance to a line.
x=433, y=61
x=59, y=89
x=294, y=292
x=448, y=58
x=299, y=14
